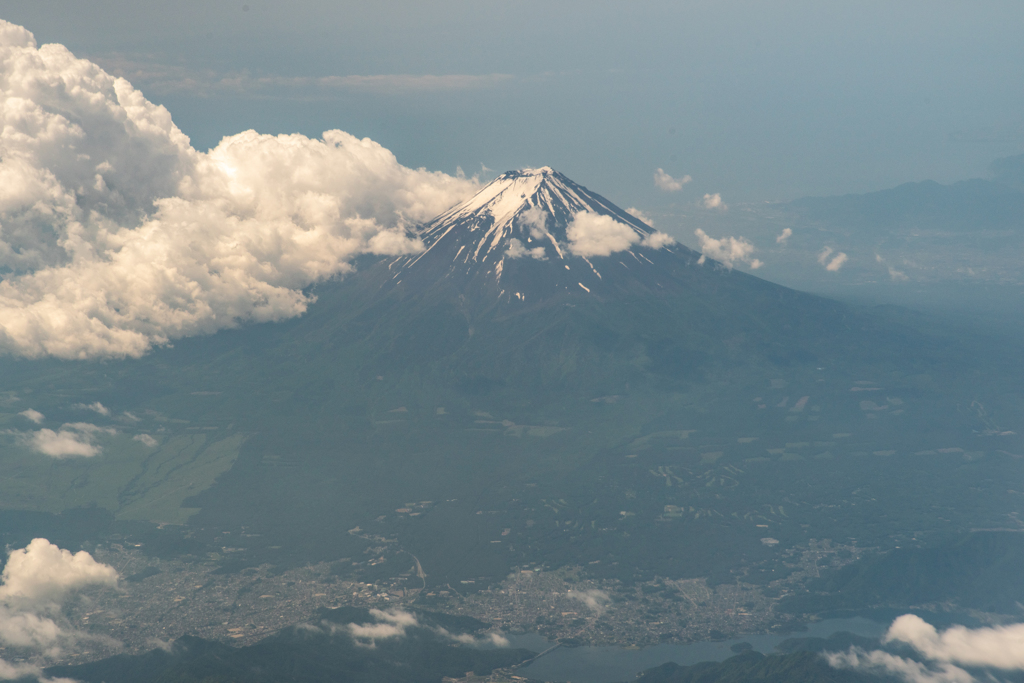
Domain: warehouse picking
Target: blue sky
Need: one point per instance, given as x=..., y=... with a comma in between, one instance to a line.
x=756, y=100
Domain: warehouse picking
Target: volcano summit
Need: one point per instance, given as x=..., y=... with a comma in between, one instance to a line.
x=531, y=233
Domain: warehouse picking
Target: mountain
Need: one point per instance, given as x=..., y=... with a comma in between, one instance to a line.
x=945, y=247
x=549, y=383
x=309, y=653
x=975, y=571
x=491, y=381
x=532, y=233
x=533, y=255
x=964, y=207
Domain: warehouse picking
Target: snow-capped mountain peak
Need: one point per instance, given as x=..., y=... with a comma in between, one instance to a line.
x=534, y=229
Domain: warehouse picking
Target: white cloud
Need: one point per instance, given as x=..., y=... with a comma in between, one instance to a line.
x=663, y=181
x=165, y=645
x=33, y=415
x=536, y=219
x=657, y=240
x=516, y=249
x=27, y=630
x=492, y=639
x=36, y=581
x=75, y=439
x=498, y=640
x=997, y=647
x=375, y=632
x=592, y=234
x=118, y=235
x=21, y=671
x=41, y=575
x=166, y=79
x=882, y=663
x=145, y=439
x=63, y=444
x=836, y=261
x=640, y=216
x=96, y=407
x=390, y=624
x=894, y=275
x=596, y=600
x=714, y=201
x=728, y=250
x=1001, y=647
x=393, y=624
x=784, y=236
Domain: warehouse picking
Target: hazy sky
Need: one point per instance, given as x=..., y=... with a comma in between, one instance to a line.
x=756, y=100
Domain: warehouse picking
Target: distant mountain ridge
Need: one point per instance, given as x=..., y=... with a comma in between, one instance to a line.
x=962, y=206
x=308, y=653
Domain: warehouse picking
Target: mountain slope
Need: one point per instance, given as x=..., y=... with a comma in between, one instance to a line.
x=307, y=653
x=426, y=380
x=531, y=233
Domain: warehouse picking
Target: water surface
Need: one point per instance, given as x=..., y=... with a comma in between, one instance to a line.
x=613, y=664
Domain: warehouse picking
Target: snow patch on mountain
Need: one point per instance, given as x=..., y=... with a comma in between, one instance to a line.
x=532, y=214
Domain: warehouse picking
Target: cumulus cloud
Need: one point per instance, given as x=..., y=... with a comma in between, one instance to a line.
x=534, y=222
x=41, y=575
x=21, y=672
x=592, y=234
x=74, y=439
x=714, y=201
x=35, y=583
x=879, y=662
x=393, y=624
x=116, y=235
x=1001, y=647
x=640, y=215
x=831, y=263
x=996, y=647
x=516, y=249
x=784, y=236
x=657, y=240
x=894, y=275
x=165, y=645
x=728, y=250
x=663, y=181
x=596, y=600
x=390, y=624
x=836, y=263
x=145, y=439
x=96, y=407
x=535, y=219
x=492, y=639
x=498, y=640
x=33, y=415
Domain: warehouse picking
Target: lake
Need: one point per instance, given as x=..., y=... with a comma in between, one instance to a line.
x=613, y=664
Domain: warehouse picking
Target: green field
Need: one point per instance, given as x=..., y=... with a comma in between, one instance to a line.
x=128, y=478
